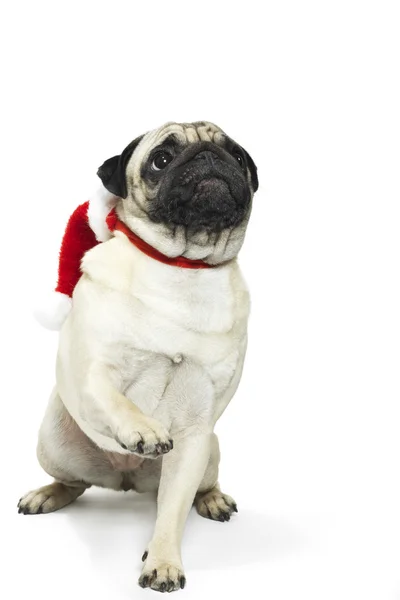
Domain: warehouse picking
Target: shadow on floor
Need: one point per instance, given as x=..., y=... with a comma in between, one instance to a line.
x=116, y=527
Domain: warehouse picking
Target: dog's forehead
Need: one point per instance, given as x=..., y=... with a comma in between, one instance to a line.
x=186, y=133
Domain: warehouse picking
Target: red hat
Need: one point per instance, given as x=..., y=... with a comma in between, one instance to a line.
x=91, y=223
x=87, y=227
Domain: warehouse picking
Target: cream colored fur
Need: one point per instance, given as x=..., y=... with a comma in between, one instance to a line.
x=149, y=352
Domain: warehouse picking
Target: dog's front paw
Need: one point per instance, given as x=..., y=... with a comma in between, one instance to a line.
x=161, y=575
x=215, y=505
x=145, y=437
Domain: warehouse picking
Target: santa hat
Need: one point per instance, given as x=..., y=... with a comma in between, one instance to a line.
x=90, y=224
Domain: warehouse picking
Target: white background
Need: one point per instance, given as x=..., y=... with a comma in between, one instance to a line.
x=310, y=444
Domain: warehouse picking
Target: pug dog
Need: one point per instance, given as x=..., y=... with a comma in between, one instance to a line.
x=153, y=349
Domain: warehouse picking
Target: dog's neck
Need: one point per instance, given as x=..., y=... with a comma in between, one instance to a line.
x=178, y=261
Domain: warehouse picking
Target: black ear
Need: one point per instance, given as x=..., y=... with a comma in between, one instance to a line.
x=112, y=171
x=253, y=170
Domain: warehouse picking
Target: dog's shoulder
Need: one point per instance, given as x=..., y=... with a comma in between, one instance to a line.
x=110, y=264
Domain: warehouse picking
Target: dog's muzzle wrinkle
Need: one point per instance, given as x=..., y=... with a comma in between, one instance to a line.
x=206, y=191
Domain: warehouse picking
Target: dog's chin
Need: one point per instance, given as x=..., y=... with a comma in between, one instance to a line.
x=179, y=240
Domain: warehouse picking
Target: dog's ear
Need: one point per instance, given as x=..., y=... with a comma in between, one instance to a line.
x=253, y=170
x=112, y=171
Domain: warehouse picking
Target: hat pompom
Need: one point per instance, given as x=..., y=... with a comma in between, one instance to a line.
x=53, y=311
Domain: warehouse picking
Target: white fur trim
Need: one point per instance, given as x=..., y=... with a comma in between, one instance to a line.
x=100, y=204
x=52, y=313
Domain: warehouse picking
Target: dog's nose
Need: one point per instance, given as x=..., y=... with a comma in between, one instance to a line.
x=207, y=155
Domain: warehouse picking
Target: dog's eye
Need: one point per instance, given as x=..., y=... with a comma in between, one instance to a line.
x=239, y=158
x=161, y=160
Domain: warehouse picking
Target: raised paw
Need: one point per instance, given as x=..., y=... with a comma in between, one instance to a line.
x=162, y=577
x=215, y=505
x=145, y=437
x=49, y=498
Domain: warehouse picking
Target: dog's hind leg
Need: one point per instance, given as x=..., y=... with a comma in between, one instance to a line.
x=210, y=502
x=57, y=436
x=50, y=498
x=215, y=505
x=71, y=458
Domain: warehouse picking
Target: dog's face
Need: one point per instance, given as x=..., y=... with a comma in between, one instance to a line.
x=186, y=189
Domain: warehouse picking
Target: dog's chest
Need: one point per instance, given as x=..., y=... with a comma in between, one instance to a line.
x=197, y=323
x=158, y=319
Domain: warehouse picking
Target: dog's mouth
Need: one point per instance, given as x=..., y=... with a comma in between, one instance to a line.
x=217, y=186
x=216, y=192
x=204, y=194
